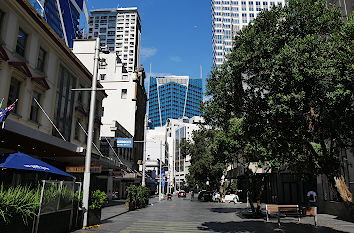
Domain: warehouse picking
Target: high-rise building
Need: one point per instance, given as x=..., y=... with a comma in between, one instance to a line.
x=120, y=30
x=174, y=97
x=228, y=17
x=62, y=15
x=346, y=6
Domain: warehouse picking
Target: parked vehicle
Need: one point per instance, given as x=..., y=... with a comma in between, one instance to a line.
x=182, y=194
x=205, y=196
x=216, y=197
x=231, y=198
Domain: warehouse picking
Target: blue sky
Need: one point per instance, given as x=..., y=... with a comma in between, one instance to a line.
x=176, y=34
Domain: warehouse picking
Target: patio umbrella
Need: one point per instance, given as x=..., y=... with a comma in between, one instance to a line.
x=22, y=161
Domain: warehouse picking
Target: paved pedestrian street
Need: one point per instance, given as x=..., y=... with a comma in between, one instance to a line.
x=184, y=215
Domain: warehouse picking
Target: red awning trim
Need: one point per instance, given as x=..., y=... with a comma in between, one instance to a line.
x=21, y=66
x=3, y=54
x=41, y=81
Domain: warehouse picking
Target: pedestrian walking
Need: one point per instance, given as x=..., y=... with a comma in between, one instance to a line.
x=311, y=198
x=192, y=195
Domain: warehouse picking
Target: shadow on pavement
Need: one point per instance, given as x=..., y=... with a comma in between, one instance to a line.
x=106, y=220
x=114, y=203
x=228, y=210
x=262, y=227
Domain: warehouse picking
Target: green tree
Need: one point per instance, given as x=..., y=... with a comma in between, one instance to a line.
x=285, y=94
x=206, y=166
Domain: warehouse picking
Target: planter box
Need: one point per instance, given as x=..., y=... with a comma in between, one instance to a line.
x=130, y=206
x=17, y=226
x=77, y=220
x=94, y=217
x=58, y=222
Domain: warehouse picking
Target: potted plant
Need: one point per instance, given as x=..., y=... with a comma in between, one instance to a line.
x=146, y=194
x=18, y=206
x=97, y=199
x=77, y=216
x=131, y=200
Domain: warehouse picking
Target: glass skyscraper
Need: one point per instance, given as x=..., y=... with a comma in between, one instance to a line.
x=62, y=15
x=174, y=97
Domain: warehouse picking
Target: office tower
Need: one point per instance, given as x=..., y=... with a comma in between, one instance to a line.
x=173, y=97
x=120, y=30
x=62, y=15
x=228, y=17
x=346, y=6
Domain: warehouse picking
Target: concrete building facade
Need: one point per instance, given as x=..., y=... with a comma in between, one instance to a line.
x=37, y=66
x=120, y=30
x=126, y=101
x=346, y=6
x=229, y=17
x=178, y=165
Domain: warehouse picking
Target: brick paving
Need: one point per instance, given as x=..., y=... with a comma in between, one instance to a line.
x=183, y=215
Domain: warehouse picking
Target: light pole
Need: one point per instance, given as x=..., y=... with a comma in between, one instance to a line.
x=160, y=175
x=86, y=185
x=144, y=154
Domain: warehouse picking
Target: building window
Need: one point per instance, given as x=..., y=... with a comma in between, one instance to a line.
x=21, y=42
x=35, y=107
x=64, y=103
x=41, y=59
x=14, y=93
x=124, y=93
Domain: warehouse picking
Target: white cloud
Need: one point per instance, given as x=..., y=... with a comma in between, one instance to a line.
x=176, y=59
x=147, y=52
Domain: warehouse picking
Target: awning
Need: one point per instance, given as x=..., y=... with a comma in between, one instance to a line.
x=25, y=162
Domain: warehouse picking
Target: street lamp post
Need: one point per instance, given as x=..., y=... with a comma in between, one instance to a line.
x=86, y=185
x=144, y=154
x=160, y=175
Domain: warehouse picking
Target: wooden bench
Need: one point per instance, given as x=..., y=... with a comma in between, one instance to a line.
x=310, y=212
x=291, y=211
x=283, y=210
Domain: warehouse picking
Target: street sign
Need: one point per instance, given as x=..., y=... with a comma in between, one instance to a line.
x=124, y=142
x=163, y=173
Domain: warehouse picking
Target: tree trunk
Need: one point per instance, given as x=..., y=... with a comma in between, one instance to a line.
x=259, y=197
x=338, y=182
x=343, y=190
x=249, y=192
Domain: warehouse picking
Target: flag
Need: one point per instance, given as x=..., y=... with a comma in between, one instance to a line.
x=4, y=113
x=85, y=11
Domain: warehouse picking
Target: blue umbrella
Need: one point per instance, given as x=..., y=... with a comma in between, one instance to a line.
x=25, y=162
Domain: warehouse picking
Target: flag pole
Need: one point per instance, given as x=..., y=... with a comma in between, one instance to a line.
x=49, y=119
x=1, y=103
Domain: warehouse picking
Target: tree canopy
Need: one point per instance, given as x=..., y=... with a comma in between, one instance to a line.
x=290, y=78
x=285, y=93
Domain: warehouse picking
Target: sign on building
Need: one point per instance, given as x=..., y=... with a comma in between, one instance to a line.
x=81, y=169
x=124, y=142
